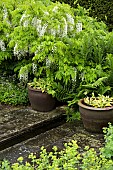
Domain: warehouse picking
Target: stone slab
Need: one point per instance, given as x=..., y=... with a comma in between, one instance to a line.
x=19, y=124
x=54, y=137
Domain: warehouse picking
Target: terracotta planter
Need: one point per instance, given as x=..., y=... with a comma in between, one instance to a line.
x=94, y=119
x=42, y=102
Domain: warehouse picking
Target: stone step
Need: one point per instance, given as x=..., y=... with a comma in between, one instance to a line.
x=54, y=137
x=19, y=124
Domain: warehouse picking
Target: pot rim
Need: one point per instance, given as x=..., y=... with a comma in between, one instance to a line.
x=80, y=103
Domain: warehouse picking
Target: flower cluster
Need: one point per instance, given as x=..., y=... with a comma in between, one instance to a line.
x=60, y=31
x=5, y=13
x=48, y=62
x=23, y=75
x=2, y=45
x=24, y=20
x=70, y=20
x=18, y=52
x=65, y=28
x=5, y=16
x=75, y=71
x=34, y=67
x=79, y=26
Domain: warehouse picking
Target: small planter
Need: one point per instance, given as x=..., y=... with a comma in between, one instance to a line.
x=42, y=102
x=94, y=119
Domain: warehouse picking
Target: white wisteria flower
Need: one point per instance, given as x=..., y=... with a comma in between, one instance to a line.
x=23, y=17
x=5, y=13
x=23, y=76
x=48, y=62
x=46, y=12
x=64, y=34
x=54, y=49
x=18, y=52
x=79, y=26
x=55, y=9
x=5, y=16
x=82, y=76
x=24, y=20
x=43, y=30
x=36, y=52
x=53, y=32
x=58, y=29
x=75, y=76
x=71, y=22
x=26, y=23
x=37, y=24
x=34, y=65
x=2, y=45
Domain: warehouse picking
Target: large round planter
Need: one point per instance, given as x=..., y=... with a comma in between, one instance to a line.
x=42, y=102
x=94, y=119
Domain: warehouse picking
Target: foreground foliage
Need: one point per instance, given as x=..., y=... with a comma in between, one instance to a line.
x=69, y=158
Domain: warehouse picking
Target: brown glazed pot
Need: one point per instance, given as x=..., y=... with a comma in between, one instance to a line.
x=42, y=102
x=94, y=119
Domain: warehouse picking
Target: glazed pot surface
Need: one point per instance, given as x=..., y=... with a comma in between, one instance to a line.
x=94, y=119
x=42, y=102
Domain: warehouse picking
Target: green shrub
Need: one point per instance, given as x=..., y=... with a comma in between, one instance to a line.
x=11, y=93
x=60, y=44
x=68, y=58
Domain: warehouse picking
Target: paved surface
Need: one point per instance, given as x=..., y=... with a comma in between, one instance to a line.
x=18, y=124
x=17, y=120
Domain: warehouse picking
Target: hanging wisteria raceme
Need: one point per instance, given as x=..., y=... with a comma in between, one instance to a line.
x=55, y=9
x=18, y=53
x=5, y=16
x=37, y=24
x=46, y=13
x=48, y=62
x=58, y=30
x=36, y=52
x=71, y=22
x=43, y=30
x=23, y=75
x=2, y=45
x=54, y=49
x=24, y=20
x=23, y=17
x=79, y=26
x=64, y=34
x=5, y=13
x=53, y=32
x=75, y=71
x=34, y=66
x=34, y=22
x=26, y=23
x=82, y=76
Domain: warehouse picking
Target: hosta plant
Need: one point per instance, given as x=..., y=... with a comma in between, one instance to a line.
x=100, y=101
x=44, y=85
